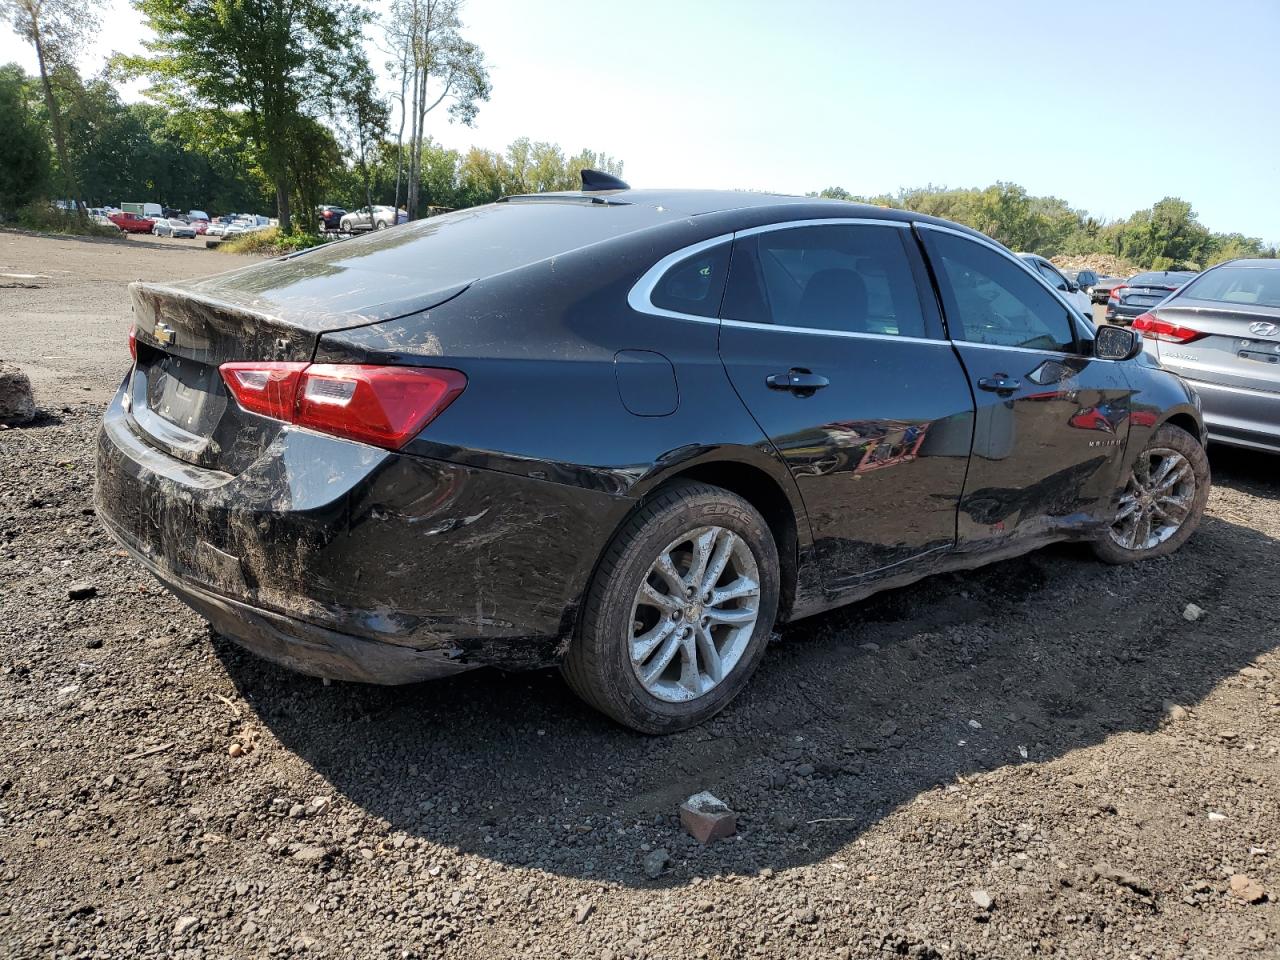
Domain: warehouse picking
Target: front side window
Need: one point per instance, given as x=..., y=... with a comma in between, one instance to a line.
x=990, y=300
x=695, y=284
x=854, y=278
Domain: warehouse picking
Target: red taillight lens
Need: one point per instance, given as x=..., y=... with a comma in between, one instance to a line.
x=133, y=343
x=383, y=406
x=1153, y=328
x=1115, y=292
x=266, y=388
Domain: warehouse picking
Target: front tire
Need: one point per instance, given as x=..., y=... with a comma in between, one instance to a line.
x=1162, y=501
x=679, y=611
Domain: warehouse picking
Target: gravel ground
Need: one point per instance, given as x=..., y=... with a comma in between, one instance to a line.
x=1043, y=758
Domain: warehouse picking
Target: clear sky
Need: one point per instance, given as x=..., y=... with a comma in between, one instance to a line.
x=1110, y=106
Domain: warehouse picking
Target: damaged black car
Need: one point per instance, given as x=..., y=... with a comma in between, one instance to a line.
x=624, y=432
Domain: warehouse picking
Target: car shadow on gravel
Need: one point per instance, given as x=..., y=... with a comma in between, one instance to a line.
x=851, y=715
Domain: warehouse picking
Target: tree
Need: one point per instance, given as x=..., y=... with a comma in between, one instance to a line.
x=436, y=66
x=273, y=59
x=24, y=149
x=363, y=117
x=56, y=29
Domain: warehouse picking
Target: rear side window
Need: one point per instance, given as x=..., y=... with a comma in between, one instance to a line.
x=990, y=299
x=854, y=278
x=695, y=284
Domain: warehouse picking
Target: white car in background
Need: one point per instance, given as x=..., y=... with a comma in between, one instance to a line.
x=1070, y=291
x=173, y=227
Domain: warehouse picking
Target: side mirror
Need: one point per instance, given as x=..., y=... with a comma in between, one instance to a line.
x=1116, y=343
x=1073, y=287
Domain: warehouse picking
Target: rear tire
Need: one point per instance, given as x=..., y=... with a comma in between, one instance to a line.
x=632, y=603
x=1162, y=501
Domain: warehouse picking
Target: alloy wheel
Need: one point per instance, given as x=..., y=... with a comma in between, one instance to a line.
x=1156, y=501
x=694, y=614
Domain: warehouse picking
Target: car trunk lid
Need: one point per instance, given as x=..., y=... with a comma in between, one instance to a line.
x=177, y=398
x=1147, y=295
x=1237, y=347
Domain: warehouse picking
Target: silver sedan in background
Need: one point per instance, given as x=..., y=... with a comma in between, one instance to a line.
x=1221, y=333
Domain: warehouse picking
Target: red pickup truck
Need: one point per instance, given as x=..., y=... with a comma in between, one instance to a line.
x=131, y=222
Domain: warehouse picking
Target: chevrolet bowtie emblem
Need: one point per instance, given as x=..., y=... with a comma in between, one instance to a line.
x=164, y=334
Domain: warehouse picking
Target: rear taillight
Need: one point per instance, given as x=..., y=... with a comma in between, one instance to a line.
x=266, y=388
x=133, y=343
x=1153, y=328
x=383, y=406
x=1115, y=292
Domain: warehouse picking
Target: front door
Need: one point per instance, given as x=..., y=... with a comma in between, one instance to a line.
x=1052, y=422
x=843, y=364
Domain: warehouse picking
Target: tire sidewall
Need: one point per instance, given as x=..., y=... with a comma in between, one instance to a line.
x=612, y=630
x=1174, y=438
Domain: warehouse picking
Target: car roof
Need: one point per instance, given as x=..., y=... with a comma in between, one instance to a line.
x=1252, y=263
x=696, y=203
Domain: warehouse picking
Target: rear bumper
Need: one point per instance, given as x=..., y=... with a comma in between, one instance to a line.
x=1124, y=315
x=1240, y=417
x=344, y=560
x=299, y=645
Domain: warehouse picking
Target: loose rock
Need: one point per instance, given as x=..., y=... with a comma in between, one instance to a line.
x=16, y=403
x=1247, y=889
x=708, y=818
x=655, y=862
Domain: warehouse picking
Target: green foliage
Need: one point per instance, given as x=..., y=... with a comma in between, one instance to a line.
x=453, y=180
x=1165, y=236
x=269, y=242
x=24, y=148
x=44, y=217
x=278, y=62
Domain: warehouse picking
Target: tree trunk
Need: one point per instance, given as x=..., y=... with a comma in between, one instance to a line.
x=404, y=81
x=55, y=120
x=282, y=204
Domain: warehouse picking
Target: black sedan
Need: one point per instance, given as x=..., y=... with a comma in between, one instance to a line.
x=625, y=432
x=1141, y=292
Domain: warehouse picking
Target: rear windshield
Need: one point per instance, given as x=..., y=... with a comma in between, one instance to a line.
x=1160, y=279
x=1258, y=286
x=478, y=242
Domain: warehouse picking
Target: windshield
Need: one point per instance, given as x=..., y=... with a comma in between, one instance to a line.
x=1253, y=285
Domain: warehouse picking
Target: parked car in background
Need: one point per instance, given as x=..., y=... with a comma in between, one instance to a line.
x=131, y=222
x=1141, y=292
x=173, y=227
x=201, y=227
x=330, y=218
x=197, y=215
x=149, y=210
x=1221, y=333
x=1102, y=287
x=794, y=404
x=1055, y=278
x=371, y=218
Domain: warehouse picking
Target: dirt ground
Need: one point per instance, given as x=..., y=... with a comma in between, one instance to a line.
x=1044, y=758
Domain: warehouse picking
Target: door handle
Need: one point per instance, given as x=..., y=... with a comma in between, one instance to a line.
x=1001, y=383
x=798, y=380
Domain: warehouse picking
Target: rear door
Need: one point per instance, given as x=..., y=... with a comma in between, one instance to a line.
x=1052, y=423
x=830, y=345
